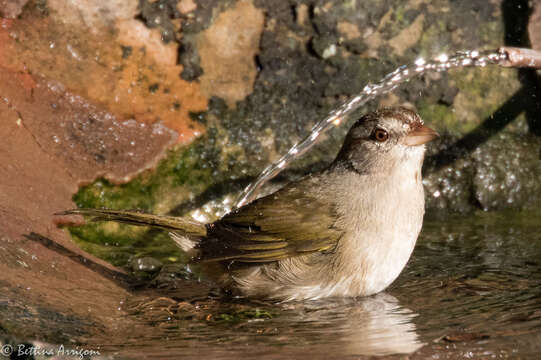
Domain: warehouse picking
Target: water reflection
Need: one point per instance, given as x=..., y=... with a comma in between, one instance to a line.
x=377, y=325
x=371, y=326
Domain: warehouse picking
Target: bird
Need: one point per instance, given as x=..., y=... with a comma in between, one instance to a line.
x=345, y=231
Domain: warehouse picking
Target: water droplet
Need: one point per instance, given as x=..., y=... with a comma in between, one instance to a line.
x=73, y=52
x=443, y=58
x=329, y=52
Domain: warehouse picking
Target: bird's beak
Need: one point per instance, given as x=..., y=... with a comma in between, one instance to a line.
x=420, y=136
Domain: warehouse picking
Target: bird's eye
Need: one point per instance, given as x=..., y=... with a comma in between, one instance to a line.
x=380, y=135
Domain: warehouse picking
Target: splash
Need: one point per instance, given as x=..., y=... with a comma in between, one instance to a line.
x=506, y=57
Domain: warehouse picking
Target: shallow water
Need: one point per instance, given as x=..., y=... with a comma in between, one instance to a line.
x=471, y=290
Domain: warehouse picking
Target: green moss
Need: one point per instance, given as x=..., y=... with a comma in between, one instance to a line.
x=482, y=92
x=243, y=315
x=399, y=21
x=184, y=173
x=401, y=17
x=434, y=40
x=118, y=244
x=186, y=170
x=491, y=33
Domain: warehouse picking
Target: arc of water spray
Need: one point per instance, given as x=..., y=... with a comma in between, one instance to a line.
x=504, y=56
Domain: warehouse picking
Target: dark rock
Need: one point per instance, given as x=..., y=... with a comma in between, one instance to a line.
x=160, y=14
x=189, y=59
x=507, y=172
x=501, y=173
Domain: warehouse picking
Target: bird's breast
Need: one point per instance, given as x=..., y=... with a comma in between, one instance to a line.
x=383, y=224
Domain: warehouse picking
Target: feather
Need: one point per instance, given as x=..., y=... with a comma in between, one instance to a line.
x=285, y=224
x=178, y=224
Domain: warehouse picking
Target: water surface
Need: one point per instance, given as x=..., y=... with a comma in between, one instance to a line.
x=471, y=290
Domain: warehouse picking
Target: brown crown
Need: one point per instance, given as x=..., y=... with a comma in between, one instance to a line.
x=403, y=114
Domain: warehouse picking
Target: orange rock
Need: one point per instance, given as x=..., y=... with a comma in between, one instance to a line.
x=227, y=50
x=133, y=76
x=186, y=6
x=38, y=180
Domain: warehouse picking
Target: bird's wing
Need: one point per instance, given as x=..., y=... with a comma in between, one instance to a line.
x=288, y=223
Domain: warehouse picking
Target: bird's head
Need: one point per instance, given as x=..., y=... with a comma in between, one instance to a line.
x=384, y=139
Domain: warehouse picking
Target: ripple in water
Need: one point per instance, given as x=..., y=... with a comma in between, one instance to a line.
x=471, y=290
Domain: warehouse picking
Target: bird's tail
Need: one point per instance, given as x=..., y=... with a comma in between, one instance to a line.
x=183, y=231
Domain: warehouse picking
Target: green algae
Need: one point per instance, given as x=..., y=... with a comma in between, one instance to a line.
x=184, y=173
x=439, y=114
x=243, y=315
x=189, y=168
x=120, y=244
x=482, y=91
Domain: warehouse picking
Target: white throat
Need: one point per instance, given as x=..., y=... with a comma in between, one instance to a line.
x=388, y=214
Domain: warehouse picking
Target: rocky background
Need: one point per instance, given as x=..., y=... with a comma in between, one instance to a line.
x=174, y=106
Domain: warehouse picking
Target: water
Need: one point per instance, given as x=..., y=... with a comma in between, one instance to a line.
x=472, y=289
x=507, y=57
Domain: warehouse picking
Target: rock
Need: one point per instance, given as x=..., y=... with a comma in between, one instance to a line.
x=507, y=172
x=534, y=30
x=80, y=136
x=120, y=64
x=227, y=50
x=501, y=173
x=10, y=9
